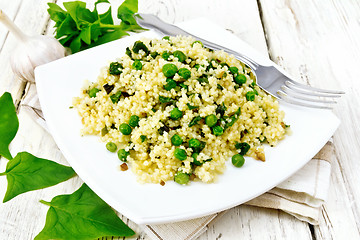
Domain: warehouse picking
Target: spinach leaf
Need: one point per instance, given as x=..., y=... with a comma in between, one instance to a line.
x=9, y=124
x=26, y=172
x=81, y=215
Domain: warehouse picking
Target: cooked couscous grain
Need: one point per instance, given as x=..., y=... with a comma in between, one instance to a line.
x=179, y=109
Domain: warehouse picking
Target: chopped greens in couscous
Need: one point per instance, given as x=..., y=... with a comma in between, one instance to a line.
x=175, y=110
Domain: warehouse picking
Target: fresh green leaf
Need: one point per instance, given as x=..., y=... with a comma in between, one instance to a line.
x=81, y=215
x=110, y=36
x=126, y=11
x=56, y=13
x=75, y=45
x=79, y=13
x=106, y=17
x=67, y=26
x=101, y=1
x=85, y=35
x=9, y=124
x=26, y=172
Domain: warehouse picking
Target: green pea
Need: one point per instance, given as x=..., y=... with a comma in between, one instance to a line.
x=170, y=84
x=250, y=96
x=218, y=130
x=238, y=160
x=180, y=56
x=166, y=38
x=176, y=140
x=194, y=143
x=240, y=79
x=211, y=120
x=169, y=70
x=175, y=114
x=134, y=121
x=181, y=178
x=125, y=129
x=165, y=55
x=111, y=147
x=93, y=92
x=137, y=65
x=180, y=154
x=234, y=70
x=184, y=73
x=123, y=154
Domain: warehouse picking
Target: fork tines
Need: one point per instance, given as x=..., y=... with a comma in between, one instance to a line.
x=304, y=95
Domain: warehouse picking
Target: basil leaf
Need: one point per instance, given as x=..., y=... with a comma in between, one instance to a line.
x=26, y=172
x=110, y=36
x=126, y=11
x=81, y=215
x=57, y=14
x=9, y=124
x=106, y=17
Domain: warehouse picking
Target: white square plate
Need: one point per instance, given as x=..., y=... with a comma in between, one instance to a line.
x=59, y=81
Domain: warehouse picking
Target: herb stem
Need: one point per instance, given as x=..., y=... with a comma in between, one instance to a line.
x=45, y=202
x=110, y=26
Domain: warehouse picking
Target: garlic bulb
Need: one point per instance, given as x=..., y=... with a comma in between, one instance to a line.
x=31, y=51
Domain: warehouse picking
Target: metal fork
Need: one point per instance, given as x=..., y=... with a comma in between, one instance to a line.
x=271, y=79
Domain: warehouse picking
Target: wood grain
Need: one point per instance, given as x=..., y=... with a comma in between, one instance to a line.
x=316, y=41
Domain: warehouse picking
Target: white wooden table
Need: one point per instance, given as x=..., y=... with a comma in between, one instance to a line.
x=316, y=41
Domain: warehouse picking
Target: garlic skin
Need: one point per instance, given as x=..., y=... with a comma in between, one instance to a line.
x=31, y=51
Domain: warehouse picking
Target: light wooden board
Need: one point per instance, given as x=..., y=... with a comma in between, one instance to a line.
x=318, y=42
x=294, y=41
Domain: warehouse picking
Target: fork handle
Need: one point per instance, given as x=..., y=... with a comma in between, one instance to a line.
x=153, y=22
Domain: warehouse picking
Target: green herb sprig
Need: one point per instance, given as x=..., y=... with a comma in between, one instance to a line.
x=78, y=28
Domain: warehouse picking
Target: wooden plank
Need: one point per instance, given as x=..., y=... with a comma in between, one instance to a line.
x=23, y=217
x=10, y=10
x=245, y=222
x=318, y=42
x=32, y=18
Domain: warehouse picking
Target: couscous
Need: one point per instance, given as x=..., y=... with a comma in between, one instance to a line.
x=175, y=110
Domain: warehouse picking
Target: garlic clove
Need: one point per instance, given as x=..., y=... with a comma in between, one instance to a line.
x=34, y=52
x=31, y=51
